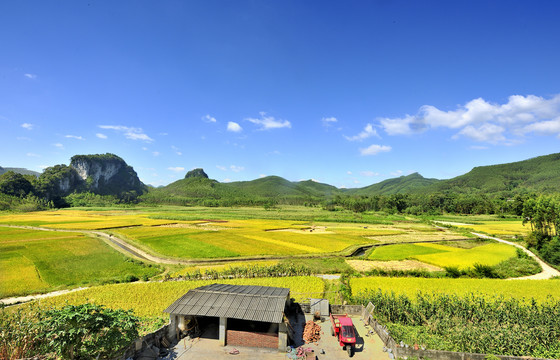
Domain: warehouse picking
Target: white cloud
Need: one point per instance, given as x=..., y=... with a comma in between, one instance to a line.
x=138, y=136
x=349, y=172
x=32, y=154
x=269, y=122
x=328, y=121
x=375, y=149
x=368, y=131
x=262, y=176
x=484, y=121
x=226, y=180
x=209, y=118
x=223, y=168
x=176, y=168
x=101, y=136
x=369, y=173
x=544, y=127
x=30, y=76
x=236, y=168
x=398, y=126
x=479, y=147
x=59, y=145
x=23, y=138
x=177, y=151
x=74, y=137
x=156, y=153
x=397, y=173
x=486, y=132
x=233, y=127
x=27, y=126
x=131, y=133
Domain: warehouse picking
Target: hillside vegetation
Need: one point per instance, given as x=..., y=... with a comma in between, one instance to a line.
x=404, y=184
x=107, y=180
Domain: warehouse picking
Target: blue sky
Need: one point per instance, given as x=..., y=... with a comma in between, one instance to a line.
x=344, y=92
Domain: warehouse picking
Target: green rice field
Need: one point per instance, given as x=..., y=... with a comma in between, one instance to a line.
x=34, y=261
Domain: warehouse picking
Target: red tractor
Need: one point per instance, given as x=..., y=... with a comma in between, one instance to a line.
x=343, y=328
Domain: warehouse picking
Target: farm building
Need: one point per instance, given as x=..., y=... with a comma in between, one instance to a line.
x=243, y=315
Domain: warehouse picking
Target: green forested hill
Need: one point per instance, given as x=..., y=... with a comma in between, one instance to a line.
x=21, y=171
x=273, y=186
x=404, y=184
x=540, y=174
x=201, y=190
x=197, y=187
x=537, y=175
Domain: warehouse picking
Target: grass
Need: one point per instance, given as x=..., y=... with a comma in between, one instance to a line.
x=330, y=265
x=222, y=267
x=540, y=290
x=33, y=261
x=446, y=256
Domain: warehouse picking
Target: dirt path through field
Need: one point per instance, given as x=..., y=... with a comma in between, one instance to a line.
x=127, y=248
x=24, y=299
x=548, y=271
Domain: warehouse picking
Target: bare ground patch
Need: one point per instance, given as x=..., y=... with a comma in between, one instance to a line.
x=199, y=226
x=366, y=265
x=311, y=230
x=417, y=237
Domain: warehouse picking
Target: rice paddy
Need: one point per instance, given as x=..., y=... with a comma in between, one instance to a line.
x=148, y=300
x=540, y=290
x=446, y=256
x=34, y=261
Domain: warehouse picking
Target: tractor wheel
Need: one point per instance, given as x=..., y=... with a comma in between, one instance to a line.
x=350, y=350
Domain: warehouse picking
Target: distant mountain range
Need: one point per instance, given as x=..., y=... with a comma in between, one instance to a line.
x=21, y=171
x=540, y=174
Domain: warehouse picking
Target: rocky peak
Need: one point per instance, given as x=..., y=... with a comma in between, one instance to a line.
x=196, y=173
x=106, y=173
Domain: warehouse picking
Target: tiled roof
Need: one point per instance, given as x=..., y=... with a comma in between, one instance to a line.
x=247, y=302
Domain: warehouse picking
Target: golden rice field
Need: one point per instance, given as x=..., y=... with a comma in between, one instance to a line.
x=445, y=256
x=80, y=219
x=540, y=290
x=497, y=227
x=150, y=299
x=502, y=228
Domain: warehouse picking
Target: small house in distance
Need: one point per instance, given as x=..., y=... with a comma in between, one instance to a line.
x=244, y=315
